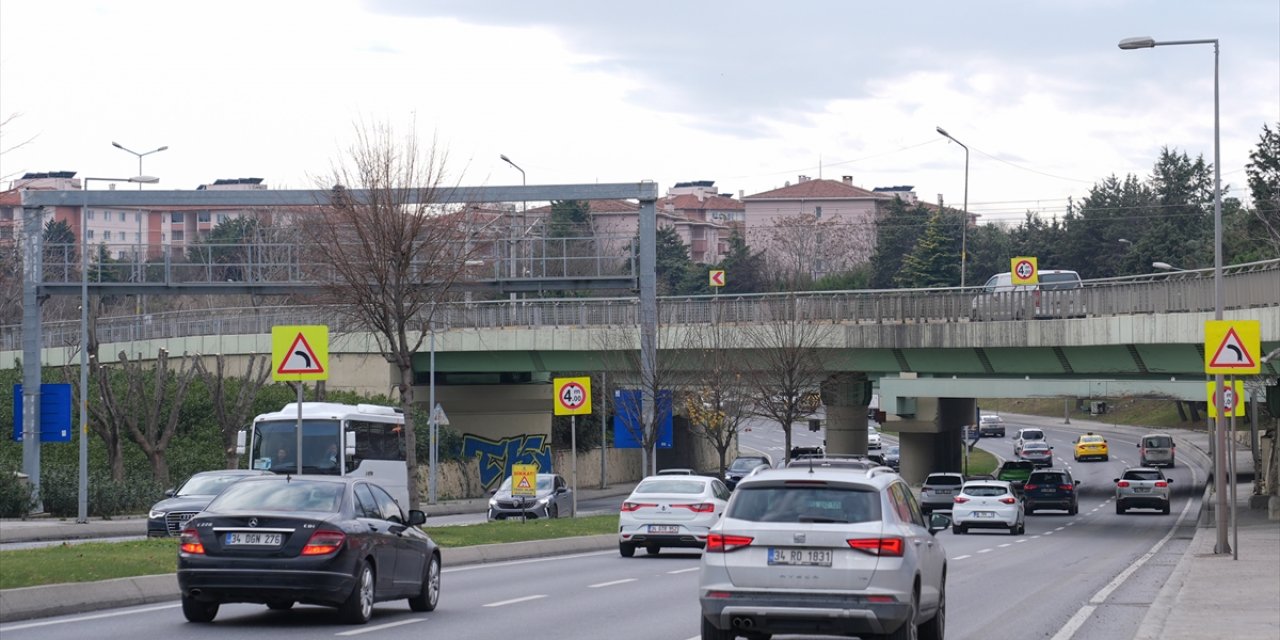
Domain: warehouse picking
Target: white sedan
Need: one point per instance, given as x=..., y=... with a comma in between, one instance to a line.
x=873, y=437
x=987, y=504
x=670, y=511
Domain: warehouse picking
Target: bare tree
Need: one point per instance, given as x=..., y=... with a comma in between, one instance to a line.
x=803, y=247
x=233, y=404
x=390, y=253
x=789, y=369
x=716, y=402
x=150, y=405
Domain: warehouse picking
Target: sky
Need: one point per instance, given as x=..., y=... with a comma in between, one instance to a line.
x=747, y=93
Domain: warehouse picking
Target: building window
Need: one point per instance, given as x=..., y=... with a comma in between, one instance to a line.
x=124, y=217
x=177, y=236
x=90, y=214
x=202, y=216
x=175, y=217
x=106, y=235
x=6, y=213
x=817, y=212
x=137, y=216
x=137, y=237
x=89, y=234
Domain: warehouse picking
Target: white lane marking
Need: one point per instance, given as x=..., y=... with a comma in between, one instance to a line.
x=1048, y=533
x=96, y=616
x=984, y=550
x=1071, y=523
x=1059, y=528
x=1073, y=625
x=1006, y=545
x=1022, y=540
x=962, y=557
x=356, y=632
x=516, y=600
x=672, y=573
x=611, y=583
x=1034, y=537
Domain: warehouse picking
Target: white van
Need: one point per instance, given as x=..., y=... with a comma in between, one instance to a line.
x=1056, y=296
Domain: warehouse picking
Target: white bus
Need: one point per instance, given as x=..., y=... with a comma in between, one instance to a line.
x=364, y=440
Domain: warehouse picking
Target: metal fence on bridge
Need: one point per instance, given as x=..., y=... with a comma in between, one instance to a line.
x=1246, y=286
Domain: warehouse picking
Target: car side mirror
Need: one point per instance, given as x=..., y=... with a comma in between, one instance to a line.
x=562, y=490
x=169, y=493
x=1115, y=479
x=938, y=522
x=1169, y=480
x=417, y=517
x=1077, y=483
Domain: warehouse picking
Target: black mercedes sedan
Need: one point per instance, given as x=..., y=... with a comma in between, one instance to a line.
x=333, y=541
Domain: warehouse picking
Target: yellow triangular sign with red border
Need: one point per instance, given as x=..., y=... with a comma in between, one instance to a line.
x=1232, y=353
x=300, y=358
x=524, y=483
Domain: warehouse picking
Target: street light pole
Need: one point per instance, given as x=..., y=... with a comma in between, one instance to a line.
x=1220, y=423
x=523, y=211
x=138, y=254
x=82, y=511
x=964, y=224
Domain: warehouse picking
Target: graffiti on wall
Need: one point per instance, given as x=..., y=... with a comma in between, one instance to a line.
x=497, y=456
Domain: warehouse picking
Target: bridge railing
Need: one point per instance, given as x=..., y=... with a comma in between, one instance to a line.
x=1245, y=286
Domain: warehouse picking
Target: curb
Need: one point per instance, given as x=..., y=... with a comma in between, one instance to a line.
x=82, y=597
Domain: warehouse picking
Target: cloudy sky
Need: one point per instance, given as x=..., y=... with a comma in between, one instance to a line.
x=750, y=94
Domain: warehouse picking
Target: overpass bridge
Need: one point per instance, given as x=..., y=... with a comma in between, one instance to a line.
x=931, y=352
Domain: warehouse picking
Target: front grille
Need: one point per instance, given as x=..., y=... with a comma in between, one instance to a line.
x=175, y=520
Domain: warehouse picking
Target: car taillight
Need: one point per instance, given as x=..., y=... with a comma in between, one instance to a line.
x=1161, y=483
x=701, y=507
x=877, y=546
x=960, y=499
x=1122, y=484
x=1008, y=500
x=1029, y=487
x=634, y=506
x=721, y=543
x=1066, y=487
x=189, y=542
x=324, y=542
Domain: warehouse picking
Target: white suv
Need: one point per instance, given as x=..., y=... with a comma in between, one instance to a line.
x=829, y=551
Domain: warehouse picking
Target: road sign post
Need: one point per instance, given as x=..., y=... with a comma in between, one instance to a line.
x=573, y=398
x=299, y=353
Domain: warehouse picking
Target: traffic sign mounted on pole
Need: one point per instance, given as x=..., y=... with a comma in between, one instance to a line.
x=1023, y=271
x=1232, y=347
x=717, y=277
x=1232, y=398
x=572, y=396
x=524, y=480
x=300, y=352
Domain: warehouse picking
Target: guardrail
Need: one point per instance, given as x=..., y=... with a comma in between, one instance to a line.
x=1245, y=286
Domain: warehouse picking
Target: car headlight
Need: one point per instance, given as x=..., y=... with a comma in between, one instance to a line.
x=155, y=513
x=542, y=502
x=493, y=502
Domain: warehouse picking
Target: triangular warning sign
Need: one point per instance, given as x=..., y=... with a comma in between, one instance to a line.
x=524, y=483
x=1232, y=353
x=301, y=358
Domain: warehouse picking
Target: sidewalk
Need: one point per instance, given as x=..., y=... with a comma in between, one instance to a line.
x=70, y=598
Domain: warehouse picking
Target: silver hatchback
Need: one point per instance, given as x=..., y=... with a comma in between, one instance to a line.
x=824, y=551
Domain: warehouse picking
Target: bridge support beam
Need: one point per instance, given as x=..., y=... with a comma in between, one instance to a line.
x=935, y=445
x=846, y=396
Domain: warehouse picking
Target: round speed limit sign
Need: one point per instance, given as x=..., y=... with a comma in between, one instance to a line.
x=572, y=396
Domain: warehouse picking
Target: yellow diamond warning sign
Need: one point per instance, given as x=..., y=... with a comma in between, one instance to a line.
x=1232, y=347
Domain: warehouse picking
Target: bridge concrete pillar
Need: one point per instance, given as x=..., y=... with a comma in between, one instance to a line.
x=939, y=448
x=846, y=396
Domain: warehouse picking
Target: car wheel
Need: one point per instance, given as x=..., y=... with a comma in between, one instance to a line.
x=935, y=628
x=652, y=549
x=1106, y=458
x=553, y=511
x=280, y=605
x=358, y=607
x=907, y=630
x=197, y=611
x=429, y=595
x=710, y=632
x=1165, y=509
x=957, y=529
x=626, y=550
x=1075, y=509
x=1030, y=510
x=1119, y=508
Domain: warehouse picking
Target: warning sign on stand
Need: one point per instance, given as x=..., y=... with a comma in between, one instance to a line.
x=524, y=480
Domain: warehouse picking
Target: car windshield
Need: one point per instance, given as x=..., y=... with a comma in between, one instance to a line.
x=1047, y=478
x=1054, y=281
x=1091, y=439
x=1143, y=475
x=295, y=495
x=773, y=503
x=951, y=480
x=1159, y=441
x=989, y=419
x=210, y=485
x=893, y=451
x=544, y=484
x=984, y=490
x=1032, y=434
x=745, y=464
x=670, y=485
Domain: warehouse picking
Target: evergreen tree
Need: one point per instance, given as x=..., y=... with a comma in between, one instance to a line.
x=1260, y=231
x=897, y=233
x=569, y=219
x=673, y=264
x=935, y=261
x=743, y=269
x=1180, y=231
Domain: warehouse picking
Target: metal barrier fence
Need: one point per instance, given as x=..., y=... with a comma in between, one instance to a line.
x=1245, y=286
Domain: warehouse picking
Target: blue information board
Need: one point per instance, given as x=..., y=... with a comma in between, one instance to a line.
x=55, y=412
x=626, y=420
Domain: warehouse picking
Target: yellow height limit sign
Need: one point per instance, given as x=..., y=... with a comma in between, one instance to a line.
x=573, y=396
x=524, y=480
x=300, y=352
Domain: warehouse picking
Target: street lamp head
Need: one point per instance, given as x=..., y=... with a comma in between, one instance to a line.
x=144, y=179
x=161, y=148
x=1124, y=241
x=943, y=131
x=1140, y=42
x=1164, y=266
x=118, y=145
x=504, y=157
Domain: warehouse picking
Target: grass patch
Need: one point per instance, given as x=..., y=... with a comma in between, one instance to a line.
x=982, y=463
x=93, y=561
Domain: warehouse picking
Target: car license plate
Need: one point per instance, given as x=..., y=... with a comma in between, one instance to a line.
x=662, y=528
x=942, y=492
x=802, y=557
x=254, y=538
x=1142, y=489
x=984, y=514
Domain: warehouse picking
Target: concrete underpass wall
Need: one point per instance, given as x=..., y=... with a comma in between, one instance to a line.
x=461, y=479
x=932, y=440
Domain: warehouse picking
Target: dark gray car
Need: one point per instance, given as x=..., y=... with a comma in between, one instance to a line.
x=168, y=516
x=554, y=498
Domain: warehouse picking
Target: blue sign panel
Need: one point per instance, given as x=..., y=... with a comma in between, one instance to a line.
x=626, y=422
x=55, y=412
